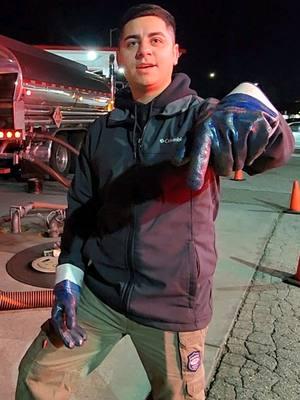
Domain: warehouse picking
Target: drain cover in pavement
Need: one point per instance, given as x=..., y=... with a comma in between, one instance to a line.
x=45, y=264
x=20, y=267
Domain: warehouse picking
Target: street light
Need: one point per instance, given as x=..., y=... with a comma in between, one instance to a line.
x=111, y=30
x=91, y=55
x=212, y=75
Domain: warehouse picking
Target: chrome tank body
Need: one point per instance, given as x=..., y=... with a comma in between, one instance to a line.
x=42, y=92
x=50, y=91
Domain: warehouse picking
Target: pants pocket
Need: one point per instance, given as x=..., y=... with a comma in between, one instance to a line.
x=191, y=348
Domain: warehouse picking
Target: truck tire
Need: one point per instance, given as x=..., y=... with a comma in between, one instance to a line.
x=60, y=159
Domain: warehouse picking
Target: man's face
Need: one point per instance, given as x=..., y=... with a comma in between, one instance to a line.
x=148, y=54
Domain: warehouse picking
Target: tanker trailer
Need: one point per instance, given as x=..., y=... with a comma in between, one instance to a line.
x=45, y=102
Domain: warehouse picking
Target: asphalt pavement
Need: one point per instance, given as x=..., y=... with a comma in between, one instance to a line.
x=252, y=347
x=261, y=356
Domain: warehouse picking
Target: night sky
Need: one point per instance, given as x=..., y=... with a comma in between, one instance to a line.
x=257, y=41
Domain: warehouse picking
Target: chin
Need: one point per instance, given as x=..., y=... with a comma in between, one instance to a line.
x=147, y=83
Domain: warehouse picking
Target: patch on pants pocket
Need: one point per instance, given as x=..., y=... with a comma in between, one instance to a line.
x=194, y=361
x=191, y=347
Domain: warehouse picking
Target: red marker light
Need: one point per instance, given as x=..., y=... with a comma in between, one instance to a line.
x=28, y=92
x=1, y=135
x=9, y=134
x=17, y=134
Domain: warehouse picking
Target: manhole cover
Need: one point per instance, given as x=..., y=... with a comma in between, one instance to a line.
x=45, y=264
x=20, y=267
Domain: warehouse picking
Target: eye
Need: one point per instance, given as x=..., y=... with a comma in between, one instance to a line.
x=132, y=43
x=156, y=41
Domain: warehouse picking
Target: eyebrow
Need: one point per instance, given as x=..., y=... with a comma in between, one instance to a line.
x=138, y=36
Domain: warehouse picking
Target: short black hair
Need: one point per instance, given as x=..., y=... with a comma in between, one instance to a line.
x=145, y=10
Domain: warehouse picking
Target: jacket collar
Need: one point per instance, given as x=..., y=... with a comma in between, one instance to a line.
x=120, y=116
x=175, y=99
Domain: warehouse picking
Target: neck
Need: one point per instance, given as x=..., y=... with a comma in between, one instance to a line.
x=147, y=94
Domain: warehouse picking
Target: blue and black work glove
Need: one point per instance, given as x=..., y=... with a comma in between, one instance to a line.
x=233, y=134
x=64, y=314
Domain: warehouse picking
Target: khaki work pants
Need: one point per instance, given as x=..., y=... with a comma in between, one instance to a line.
x=173, y=361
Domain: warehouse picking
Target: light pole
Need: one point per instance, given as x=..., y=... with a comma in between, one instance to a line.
x=111, y=30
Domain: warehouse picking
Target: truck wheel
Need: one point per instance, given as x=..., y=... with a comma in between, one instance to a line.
x=60, y=159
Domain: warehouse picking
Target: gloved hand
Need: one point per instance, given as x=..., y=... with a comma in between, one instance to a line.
x=235, y=133
x=63, y=316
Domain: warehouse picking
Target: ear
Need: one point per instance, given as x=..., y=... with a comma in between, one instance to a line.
x=175, y=54
x=119, y=58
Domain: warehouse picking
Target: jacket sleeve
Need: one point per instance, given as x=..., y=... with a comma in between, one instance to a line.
x=277, y=152
x=80, y=216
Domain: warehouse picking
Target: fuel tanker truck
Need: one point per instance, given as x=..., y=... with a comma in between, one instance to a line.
x=46, y=105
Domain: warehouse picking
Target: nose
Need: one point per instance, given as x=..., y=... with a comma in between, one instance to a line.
x=143, y=50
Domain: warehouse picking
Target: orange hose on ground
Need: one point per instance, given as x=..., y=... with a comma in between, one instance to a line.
x=50, y=206
x=23, y=300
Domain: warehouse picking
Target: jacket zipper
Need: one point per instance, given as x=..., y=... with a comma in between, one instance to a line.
x=130, y=245
x=134, y=141
x=130, y=263
x=137, y=144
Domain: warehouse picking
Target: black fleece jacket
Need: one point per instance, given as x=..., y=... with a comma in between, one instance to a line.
x=145, y=241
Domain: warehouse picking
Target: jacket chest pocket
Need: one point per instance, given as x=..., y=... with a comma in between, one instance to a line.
x=156, y=157
x=163, y=149
x=162, y=142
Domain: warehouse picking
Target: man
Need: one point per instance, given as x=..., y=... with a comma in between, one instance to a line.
x=138, y=249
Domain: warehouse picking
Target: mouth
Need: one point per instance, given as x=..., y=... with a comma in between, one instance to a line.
x=145, y=66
